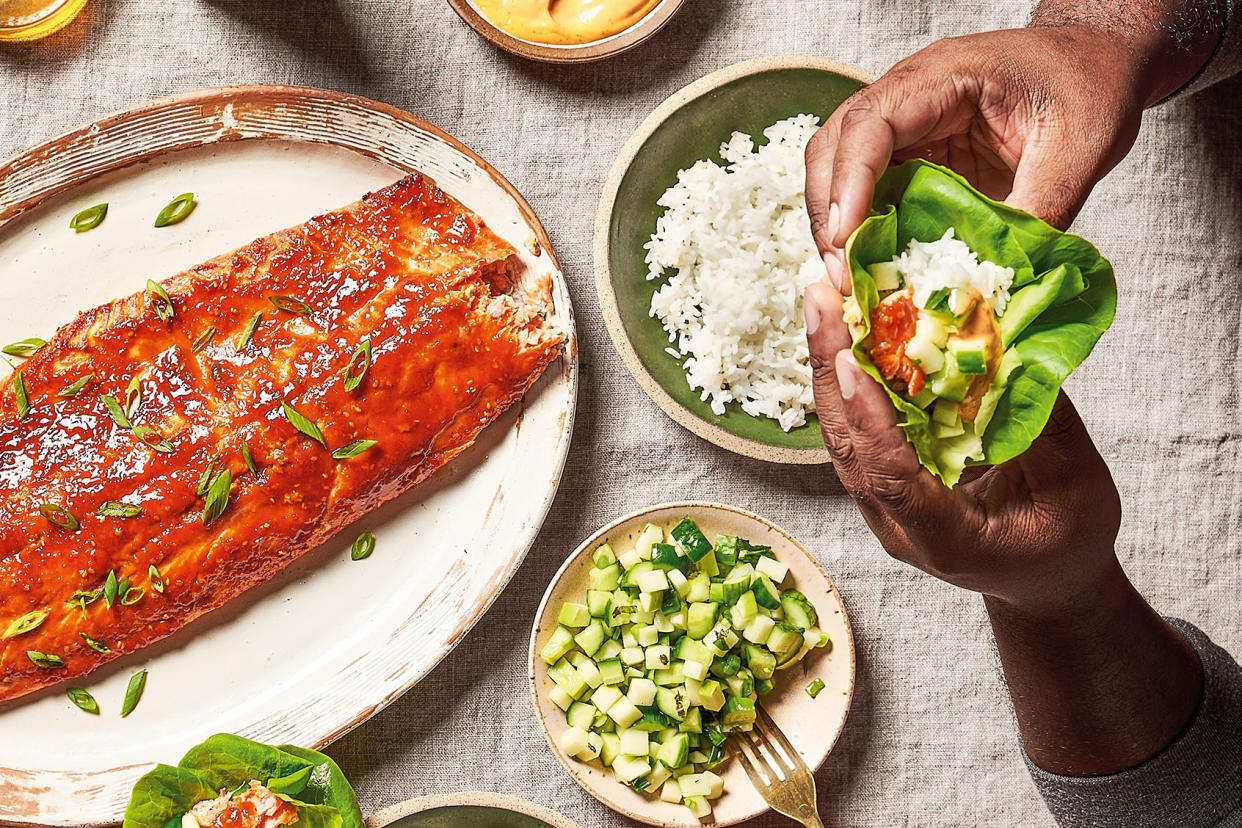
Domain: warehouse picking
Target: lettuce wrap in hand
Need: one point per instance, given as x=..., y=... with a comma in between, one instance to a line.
x=970, y=313
x=228, y=780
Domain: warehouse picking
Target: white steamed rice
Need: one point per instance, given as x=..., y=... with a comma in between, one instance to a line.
x=949, y=262
x=739, y=241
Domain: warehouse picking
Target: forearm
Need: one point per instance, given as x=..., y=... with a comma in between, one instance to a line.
x=1098, y=686
x=1167, y=41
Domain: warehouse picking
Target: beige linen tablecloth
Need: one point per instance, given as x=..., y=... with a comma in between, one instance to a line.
x=931, y=739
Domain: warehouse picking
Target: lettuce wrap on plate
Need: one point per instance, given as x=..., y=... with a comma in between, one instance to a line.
x=231, y=782
x=971, y=313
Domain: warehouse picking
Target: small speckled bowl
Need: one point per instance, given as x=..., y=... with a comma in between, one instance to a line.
x=467, y=810
x=812, y=724
x=606, y=47
x=689, y=126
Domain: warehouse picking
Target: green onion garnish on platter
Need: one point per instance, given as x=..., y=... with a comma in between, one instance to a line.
x=73, y=388
x=110, y=589
x=352, y=449
x=303, y=423
x=358, y=365
x=95, y=644
x=250, y=464
x=292, y=304
x=25, y=624
x=89, y=219
x=84, y=700
x=153, y=440
x=59, y=516
x=157, y=580
x=20, y=396
x=204, y=339
x=114, y=508
x=248, y=333
x=363, y=546
x=160, y=300
x=177, y=210
x=217, y=497
x=117, y=412
x=25, y=347
x=46, y=661
x=133, y=692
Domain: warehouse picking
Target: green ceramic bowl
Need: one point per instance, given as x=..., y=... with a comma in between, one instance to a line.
x=689, y=126
x=468, y=810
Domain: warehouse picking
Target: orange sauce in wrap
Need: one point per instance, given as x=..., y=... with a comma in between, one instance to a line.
x=565, y=22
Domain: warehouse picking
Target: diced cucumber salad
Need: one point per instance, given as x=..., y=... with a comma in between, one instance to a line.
x=676, y=641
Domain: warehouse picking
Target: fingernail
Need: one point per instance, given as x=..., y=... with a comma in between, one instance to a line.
x=847, y=380
x=834, y=221
x=836, y=271
x=810, y=309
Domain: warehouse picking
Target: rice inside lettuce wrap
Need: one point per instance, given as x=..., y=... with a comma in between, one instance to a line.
x=972, y=348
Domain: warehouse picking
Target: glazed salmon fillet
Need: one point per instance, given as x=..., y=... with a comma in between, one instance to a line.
x=160, y=456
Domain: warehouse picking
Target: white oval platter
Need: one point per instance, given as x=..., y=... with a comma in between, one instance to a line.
x=329, y=641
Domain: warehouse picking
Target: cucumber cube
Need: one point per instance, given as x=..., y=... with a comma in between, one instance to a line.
x=611, y=671
x=589, y=673
x=592, y=637
x=773, y=568
x=744, y=611
x=758, y=630
x=560, y=698
x=699, y=806
x=658, y=657
x=634, y=743
x=627, y=768
x=657, y=776
x=611, y=649
x=599, y=602
x=972, y=357
x=574, y=741
x=629, y=558
x=694, y=669
x=649, y=601
x=674, y=750
x=760, y=660
x=581, y=714
x=699, y=588
x=708, y=564
x=738, y=714
x=700, y=618
x=608, y=578
x=642, y=692
x=650, y=536
x=624, y=712
x=671, y=792
x=631, y=656
x=653, y=581
x=603, y=556
x=606, y=697
x=693, y=723
x=673, y=702
x=886, y=275
x=611, y=749
x=574, y=615
x=679, y=581
x=663, y=623
x=559, y=643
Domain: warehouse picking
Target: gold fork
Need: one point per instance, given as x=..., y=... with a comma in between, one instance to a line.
x=777, y=771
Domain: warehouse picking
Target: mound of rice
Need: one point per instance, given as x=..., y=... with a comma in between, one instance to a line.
x=734, y=249
x=949, y=262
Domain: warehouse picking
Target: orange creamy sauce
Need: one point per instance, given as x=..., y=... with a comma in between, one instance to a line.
x=565, y=22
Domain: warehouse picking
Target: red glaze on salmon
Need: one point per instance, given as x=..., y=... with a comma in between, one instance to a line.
x=892, y=326
x=408, y=268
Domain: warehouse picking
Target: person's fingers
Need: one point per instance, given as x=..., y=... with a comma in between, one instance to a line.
x=826, y=335
x=896, y=483
x=819, y=152
x=864, y=147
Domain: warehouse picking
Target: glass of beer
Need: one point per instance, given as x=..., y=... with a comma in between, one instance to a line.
x=35, y=19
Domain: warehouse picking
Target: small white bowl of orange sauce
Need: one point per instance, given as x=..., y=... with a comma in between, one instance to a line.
x=566, y=31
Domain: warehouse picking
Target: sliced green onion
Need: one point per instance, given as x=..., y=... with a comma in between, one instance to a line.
x=133, y=692
x=84, y=700
x=352, y=449
x=153, y=440
x=114, y=508
x=249, y=331
x=157, y=580
x=24, y=348
x=81, y=598
x=160, y=300
x=303, y=424
x=25, y=624
x=60, y=516
x=250, y=464
x=45, y=660
x=291, y=304
x=133, y=396
x=110, y=589
x=95, y=644
x=358, y=365
x=204, y=339
x=217, y=497
x=177, y=210
x=117, y=412
x=89, y=219
x=132, y=596
x=363, y=546
x=938, y=299
x=73, y=389
x=20, y=396
x=204, y=480
x=814, y=687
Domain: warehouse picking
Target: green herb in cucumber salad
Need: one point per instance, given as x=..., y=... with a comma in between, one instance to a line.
x=231, y=782
x=971, y=313
x=675, y=643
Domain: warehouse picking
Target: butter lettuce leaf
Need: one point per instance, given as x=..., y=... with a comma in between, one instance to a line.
x=1064, y=297
x=306, y=778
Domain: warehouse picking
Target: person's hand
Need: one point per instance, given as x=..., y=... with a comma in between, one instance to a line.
x=1034, y=117
x=1036, y=532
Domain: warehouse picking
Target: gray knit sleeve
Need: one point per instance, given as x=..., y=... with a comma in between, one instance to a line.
x=1226, y=61
x=1196, y=782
